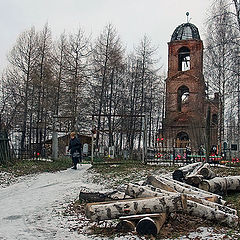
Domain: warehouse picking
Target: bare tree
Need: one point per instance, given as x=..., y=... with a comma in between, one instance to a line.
x=218, y=57
x=77, y=51
x=18, y=77
x=107, y=58
x=145, y=56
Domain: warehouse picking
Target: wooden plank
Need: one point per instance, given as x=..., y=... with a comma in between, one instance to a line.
x=140, y=216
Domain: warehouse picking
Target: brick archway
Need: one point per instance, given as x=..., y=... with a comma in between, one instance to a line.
x=182, y=139
x=182, y=96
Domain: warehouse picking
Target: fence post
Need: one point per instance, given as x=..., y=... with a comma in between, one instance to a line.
x=54, y=140
x=92, y=147
x=208, y=119
x=144, y=150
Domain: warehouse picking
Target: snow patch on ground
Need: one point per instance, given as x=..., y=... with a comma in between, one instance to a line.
x=33, y=207
x=208, y=233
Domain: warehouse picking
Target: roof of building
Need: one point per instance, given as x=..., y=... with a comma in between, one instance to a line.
x=185, y=31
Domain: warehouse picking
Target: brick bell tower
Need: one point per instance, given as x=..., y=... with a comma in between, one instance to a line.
x=185, y=111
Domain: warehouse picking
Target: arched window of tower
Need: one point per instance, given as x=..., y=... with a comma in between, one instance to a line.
x=183, y=59
x=183, y=136
x=183, y=97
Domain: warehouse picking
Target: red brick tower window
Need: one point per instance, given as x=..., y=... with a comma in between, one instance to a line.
x=182, y=97
x=183, y=59
x=214, y=119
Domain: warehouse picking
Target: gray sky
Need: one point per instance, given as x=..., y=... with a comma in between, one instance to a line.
x=132, y=19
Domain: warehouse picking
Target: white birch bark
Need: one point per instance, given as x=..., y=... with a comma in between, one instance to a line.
x=182, y=172
x=206, y=172
x=217, y=216
x=143, y=191
x=106, y=210
x=183, y=188
x=221, y=184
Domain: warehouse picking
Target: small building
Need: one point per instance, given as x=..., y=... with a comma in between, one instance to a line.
x=63, y=143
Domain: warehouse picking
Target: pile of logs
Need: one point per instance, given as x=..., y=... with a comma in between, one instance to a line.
x=145, y=206
x=200, y=175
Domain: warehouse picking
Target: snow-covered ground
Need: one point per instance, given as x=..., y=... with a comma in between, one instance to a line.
x=33, y=207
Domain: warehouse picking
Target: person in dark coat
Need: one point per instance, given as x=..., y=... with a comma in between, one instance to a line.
x=75, y=148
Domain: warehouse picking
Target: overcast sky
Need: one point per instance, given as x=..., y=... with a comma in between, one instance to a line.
x=132, y=19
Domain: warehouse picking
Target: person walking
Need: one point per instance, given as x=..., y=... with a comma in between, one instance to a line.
x=75, y=148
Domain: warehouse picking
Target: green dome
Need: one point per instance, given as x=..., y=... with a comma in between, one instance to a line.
x=185, y=31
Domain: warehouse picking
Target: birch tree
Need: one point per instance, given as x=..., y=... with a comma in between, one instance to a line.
x=218, y=57
x=107, y=57
x=18, y=79
x=76, y=67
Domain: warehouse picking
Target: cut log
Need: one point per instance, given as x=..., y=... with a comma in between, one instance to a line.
x=126, y=226
x=149, y=226
x=179, y=174
x=217, y=216
x=213, y=205
x=115, y=209
x=221, y=185
x=159, y=184
x=89, y=196
x=200, y=173
x=136, y=191
x=194, y=180
x=206, y=172
x=144, y=191
x=182, y=188
x=202, y=193
x=205, y=209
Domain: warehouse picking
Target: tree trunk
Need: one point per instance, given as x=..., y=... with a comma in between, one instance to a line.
x=181, y=173
x=136, y=191
x=143, y=191
x=206, y=172
x=159, y=184
x=221, y=184
x=126, y=226
x=196, y=177
x=208, y=132
x=194, y=180
x=100, y=196
x=150, y=226
x=106, y=210
x=217, y=216
x=183, y=188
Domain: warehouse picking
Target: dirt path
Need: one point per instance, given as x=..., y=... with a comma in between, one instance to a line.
x=31, y=208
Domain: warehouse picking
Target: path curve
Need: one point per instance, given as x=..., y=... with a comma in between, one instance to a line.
x=31, y=209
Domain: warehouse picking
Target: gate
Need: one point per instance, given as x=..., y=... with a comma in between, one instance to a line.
x=5, y=150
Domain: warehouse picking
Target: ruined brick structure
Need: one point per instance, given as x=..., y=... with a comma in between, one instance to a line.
x=186, y=100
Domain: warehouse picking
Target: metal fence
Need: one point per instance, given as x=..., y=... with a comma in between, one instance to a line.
x=6, y=154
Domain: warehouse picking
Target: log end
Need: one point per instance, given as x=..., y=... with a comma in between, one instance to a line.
x=126, y=226
x=178, y=175
x=204, y=185
x=147, y=226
